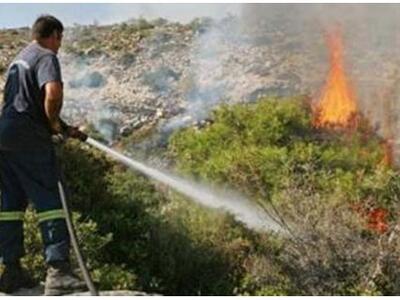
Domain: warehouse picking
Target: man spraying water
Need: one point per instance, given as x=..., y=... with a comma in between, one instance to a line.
x=30, y=117
x=28, y=168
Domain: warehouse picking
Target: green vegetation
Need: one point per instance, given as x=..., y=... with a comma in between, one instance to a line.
x=315, y=179
x=139, y=235
x=266, y=147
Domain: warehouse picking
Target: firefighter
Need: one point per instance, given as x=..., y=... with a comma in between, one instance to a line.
x=30, y=117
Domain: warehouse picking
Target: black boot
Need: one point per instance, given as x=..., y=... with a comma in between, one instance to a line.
x=60, y=280
x=15, y=277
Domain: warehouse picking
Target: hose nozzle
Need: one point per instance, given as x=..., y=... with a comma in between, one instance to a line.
x=75, y=133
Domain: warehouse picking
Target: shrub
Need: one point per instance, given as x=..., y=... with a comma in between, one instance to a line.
x=315, y=180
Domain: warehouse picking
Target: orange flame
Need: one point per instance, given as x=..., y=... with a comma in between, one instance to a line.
x=336, y=106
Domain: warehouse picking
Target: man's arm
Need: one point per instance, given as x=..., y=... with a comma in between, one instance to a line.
x=53, y=100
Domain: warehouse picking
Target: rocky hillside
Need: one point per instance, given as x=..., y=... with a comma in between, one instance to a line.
x=124, y=76
x=142, y=74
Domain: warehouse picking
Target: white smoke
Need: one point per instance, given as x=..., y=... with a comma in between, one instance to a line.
x=237, y=59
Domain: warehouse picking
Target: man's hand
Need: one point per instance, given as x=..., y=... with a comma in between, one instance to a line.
x=68, y=132
x=75, y=133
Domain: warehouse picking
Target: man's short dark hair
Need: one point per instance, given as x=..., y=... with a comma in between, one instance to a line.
x=44, y=27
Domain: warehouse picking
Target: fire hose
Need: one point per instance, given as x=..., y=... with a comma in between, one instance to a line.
x=71, y=230
x=70, y=226
x=72, y=233
x=153, y=173
x=75, y=244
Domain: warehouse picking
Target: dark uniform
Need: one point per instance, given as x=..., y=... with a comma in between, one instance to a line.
x=28, y=166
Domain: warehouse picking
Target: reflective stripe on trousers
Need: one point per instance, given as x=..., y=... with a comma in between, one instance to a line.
x=11, y=216
x=42, y=216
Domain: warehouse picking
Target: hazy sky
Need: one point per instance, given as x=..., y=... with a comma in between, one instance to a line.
x=19, y=15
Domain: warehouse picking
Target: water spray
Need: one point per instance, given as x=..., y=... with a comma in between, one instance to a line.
x=243, y=209
x=249, y=213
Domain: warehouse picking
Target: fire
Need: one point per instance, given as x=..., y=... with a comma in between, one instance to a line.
x=336, y=107
x=376, y=217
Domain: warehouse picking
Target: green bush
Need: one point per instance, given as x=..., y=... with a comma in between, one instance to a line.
x=270, y=151
x=258, y=147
